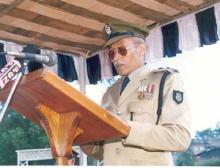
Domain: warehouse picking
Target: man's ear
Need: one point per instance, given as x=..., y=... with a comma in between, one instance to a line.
x=141, y=49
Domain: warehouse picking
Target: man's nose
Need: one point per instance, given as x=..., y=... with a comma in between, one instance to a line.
x=117, y=56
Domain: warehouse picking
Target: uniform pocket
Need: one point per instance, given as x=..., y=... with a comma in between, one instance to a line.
x=139, y=106
x=141, y=110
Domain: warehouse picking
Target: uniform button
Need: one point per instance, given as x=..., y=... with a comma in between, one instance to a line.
x=117, y=150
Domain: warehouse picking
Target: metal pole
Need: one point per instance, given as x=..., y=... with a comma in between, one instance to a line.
x=82, y=83
x=82, y=71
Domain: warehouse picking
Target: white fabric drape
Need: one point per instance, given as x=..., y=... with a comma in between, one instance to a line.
x=106, y=66
x=11, y=47
x=188, y=32
x=154, y=45
x=50, y=52
x=217, y=16
x=79, y=65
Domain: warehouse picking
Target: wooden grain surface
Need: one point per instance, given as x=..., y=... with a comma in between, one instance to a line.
x=76, y=26
x=44, y=87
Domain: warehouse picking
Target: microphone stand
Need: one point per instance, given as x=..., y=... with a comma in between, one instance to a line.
x=13, y=88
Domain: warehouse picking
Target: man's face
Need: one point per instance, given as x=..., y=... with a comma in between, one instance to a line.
x=132, y=60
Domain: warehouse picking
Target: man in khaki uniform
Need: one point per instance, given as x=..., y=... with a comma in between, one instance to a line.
x=134, y=98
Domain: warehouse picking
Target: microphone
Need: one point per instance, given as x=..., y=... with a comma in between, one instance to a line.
x=48, y=60
x=8, y=72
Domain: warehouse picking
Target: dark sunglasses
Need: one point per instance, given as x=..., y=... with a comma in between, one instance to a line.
x=122, y=50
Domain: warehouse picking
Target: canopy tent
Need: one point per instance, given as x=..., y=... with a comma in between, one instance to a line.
x=73, y=26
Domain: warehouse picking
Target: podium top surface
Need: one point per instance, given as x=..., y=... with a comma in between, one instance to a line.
x=45, y=87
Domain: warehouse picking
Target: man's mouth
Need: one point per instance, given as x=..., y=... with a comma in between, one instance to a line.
x=118, y=65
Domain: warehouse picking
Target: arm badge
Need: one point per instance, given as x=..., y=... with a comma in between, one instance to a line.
x=177, y=96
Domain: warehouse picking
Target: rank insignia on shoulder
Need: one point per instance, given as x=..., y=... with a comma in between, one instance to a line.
x=162, y=69
x=177, y=96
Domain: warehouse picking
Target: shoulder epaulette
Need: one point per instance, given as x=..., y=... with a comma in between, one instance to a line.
x=162, y=69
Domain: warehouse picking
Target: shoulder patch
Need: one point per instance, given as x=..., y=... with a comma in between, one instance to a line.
x=162, y=69
x=177, y=96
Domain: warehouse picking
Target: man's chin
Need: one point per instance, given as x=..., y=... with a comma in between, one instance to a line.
x=122, y=73
x=122, y=70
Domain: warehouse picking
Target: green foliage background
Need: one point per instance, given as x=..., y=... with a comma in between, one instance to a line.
x=18, y=133
x=188, y=159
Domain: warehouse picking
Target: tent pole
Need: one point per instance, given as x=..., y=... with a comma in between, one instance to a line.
x=82, y=83
x=82, y=73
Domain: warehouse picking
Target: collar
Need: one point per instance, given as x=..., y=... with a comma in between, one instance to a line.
x=136, y=72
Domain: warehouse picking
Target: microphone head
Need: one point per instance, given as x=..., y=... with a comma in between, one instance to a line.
x=52, y=60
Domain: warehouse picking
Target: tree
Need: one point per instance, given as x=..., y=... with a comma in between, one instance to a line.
x=17, y=133
x=217, y=130
x=205, y=135
x=202, y=137
x=186, y=158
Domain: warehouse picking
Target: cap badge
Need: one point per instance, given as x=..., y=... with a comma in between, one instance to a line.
x=108, y=29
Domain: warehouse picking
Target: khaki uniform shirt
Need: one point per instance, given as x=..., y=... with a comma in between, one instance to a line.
x=147, y=143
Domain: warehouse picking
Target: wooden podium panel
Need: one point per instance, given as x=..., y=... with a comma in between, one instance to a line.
x=67, y=116
x=44, y=87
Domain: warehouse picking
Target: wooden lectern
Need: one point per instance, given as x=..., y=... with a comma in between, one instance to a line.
x=67, y=116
